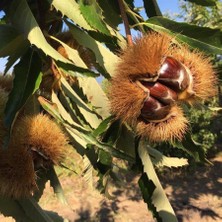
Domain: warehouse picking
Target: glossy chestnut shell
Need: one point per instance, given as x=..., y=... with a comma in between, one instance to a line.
x=173, y=79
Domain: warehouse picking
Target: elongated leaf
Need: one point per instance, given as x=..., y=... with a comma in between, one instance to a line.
x=126, y=145
x=105, y=58
x=88, y=114
x=86, y=138
x=33, y=210
x=104, y=125
x=95, y=95
x=93, y=15
x=71, y=9
x=27, y=80
x=62, y=111
x=10, y=40
x=55, y=217
x=55, y=183
x=41, y=181
x=152, y=8
x=152, y=191
x=160, y=160
x=10, y=207
x=192, y=148
x=88, y=171
x=14, y=208
x=24, y=20
x=71, y=53
x=16, y=55
x=110, y=12
x=91, y=140
x=204, y=2
x=205, y=39
x=54, y=110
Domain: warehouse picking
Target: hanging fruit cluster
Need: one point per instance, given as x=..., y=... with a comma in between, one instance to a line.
x=153, y=78
x=36, y=142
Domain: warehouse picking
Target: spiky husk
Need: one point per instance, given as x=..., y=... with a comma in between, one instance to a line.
x=143, y=60
x=126, y=99
x=204, y=76
x=144, y=57
x=3, y=101
x=42, y=135
x=17, y=175
x=169, y=130
x=6, y=82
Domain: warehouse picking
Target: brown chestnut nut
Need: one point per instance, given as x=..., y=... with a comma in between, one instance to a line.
x=161, y=92
x=173, y=74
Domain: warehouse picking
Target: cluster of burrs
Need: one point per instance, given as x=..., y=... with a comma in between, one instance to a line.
x=36, y=142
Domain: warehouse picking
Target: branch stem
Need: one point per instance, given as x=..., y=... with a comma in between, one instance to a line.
x=125, y=22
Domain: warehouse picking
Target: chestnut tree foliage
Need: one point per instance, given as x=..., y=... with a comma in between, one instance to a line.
x=66, y=86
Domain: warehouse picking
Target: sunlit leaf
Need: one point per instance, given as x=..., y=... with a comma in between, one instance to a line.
x=105, y=58
x=24, y=20
x=33, y=210
x=93, y=15
x=67, y=8
x=152, y=191
x=103, y=127
x=88, y=114
x=27, y=80
x=205, y=39
x=160, y=160
x=55, y=183
x=95, y=95
x=189, y=145
x=111, y=16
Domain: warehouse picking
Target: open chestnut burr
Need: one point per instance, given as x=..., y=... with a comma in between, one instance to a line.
x=152, y=79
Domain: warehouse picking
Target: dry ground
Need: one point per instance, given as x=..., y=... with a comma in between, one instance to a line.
x=195, y=196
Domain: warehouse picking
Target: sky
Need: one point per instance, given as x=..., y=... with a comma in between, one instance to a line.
x=171, y=6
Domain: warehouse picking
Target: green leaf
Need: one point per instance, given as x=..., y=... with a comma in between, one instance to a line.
x=152, y=191
x=105, y=58
x=105, y=158
x=67, y=8
x=205, y=39
x=93, y=15
x=33, y=210
x=27, y=80
x=32, y=213
x=10, y=40
x=73, y=55
x=88, y=171
x=41, y=181
x=204, y=2
x=103, y=126
x=160, y=160
x=11, y=208
x=152, y=8
x=126, y=145
x=23, y=19
x=110, y=13
x=55, y=109
x=83, y=138
x=18, y=52
x=88, y=114
x=55, y=184
x=95, y=95
x=192, y=148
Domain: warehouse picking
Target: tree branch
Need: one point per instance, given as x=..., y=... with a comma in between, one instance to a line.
x=125, y=22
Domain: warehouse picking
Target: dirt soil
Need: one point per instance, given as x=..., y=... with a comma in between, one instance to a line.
x=195, y=196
